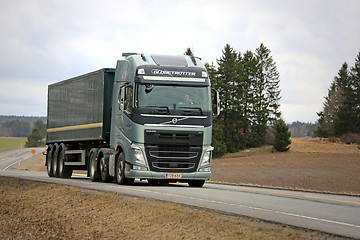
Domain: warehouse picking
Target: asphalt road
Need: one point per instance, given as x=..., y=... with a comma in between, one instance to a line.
x=328, y=213
x=10, y=158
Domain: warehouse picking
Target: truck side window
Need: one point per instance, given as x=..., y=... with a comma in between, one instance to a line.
x=121, y=99
x=128, y=99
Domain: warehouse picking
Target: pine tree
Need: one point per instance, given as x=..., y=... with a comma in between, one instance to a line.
x=271, y=78
x=282, y=136
x=41, y=126
x=248, y=85
x=228, y=84
x=355, y=82
x=34, y=139
x=249, y=76
x=330, y=117
x=345, y=117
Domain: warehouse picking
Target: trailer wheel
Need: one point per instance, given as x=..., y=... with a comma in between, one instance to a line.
x=49, y=162
x=94, y=172
x=196, y=183
x=120, y=171
x=104, y=170
x=64, y=171
x=55, y=160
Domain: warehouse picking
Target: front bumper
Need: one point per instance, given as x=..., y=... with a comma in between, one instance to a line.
x=161, y=175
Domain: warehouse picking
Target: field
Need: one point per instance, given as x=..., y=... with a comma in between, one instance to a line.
x=311, y=165
x=7, y=143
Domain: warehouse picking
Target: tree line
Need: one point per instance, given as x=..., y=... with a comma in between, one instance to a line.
x=340, y=116
x=34, y=131
x=249, y=90
x=17, y=126
x=302, y=129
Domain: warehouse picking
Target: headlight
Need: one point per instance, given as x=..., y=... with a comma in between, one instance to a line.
x=206, y=158
x=139, y=157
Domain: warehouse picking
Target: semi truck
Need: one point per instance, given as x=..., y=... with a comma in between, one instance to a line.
x=150, y=118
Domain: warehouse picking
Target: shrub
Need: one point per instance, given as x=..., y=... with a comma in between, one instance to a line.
x=282, y=136
x=349, y=138
x=333, y=139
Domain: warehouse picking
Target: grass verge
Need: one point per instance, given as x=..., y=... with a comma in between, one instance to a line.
x=33, y=210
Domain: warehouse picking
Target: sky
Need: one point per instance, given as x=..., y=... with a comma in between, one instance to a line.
x=42, y=42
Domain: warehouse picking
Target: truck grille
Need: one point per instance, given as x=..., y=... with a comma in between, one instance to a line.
x=173, y=151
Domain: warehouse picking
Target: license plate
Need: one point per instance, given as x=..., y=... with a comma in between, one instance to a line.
x=173, y=175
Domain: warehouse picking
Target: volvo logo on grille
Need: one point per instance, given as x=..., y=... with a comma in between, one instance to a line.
x=174, y=120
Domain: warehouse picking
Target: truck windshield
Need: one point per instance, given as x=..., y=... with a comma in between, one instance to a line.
x=172, y=97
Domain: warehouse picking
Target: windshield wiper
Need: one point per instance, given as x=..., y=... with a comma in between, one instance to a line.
x=165, y=107
x=195, y=108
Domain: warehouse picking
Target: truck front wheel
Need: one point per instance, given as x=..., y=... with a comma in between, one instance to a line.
x=120, y=171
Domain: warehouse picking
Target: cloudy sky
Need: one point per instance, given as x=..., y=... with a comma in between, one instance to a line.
x=42, y=42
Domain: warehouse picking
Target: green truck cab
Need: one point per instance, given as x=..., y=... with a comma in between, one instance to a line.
x=149, y=118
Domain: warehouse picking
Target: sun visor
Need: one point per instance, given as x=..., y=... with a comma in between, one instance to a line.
x=163, y=60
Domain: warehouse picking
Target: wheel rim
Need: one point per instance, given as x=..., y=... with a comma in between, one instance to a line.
x=120, y=169
x=102, y=165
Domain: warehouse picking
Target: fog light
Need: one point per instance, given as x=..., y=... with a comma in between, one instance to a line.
x=139, y=168
x=207, y=169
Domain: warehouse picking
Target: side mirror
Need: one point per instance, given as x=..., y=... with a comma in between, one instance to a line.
x=215, y=103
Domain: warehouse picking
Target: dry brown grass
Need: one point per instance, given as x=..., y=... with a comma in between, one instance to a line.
x=33, y=210
x=311, y=165
x=317, y=145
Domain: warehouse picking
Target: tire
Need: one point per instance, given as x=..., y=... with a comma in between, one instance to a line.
x=104, y=170
x=196, y=183
x=55, y=160
x=94, y=172
x=64, y=170
x=49, y=162
x=120, y=171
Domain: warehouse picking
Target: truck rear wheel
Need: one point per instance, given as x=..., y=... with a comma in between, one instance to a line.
x=64, y=171
x=104, y=170
x=120, y=171
x=49, y=162
x=94, y=172
x=55, y=161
